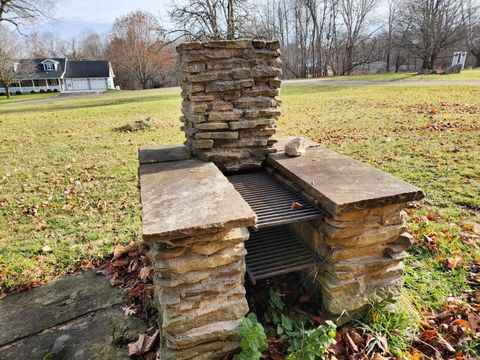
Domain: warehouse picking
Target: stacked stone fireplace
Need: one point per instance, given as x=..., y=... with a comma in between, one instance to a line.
x=229, y=91
x=199, y=226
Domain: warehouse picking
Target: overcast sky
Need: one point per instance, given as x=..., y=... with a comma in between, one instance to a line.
x=72, y=17
x=75, y=16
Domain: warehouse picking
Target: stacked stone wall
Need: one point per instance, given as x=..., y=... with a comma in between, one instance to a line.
x=229, y=108
x=362, y=252
x=200, y=294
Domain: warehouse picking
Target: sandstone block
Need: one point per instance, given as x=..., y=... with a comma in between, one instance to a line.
x=224, y=115
x=232, y=95
x=272, y=44
x=202, y=98
x=202, y=144
x=212, y=126
x=250, y=124
x=220, y=64
x=255, y=102
x=194, y=68
x=217, y=135
x=260, y=92
x=192, y=262
x=211, y=332
x=173, y=280
x=210, y=313
x=214, y=350
x=265, y=72
x=222, y=106
x=189, y=46
x=253, y=114
x=229, y=85
x=193, y=88
x=244, y=73
x=369, y=237
x=216, y=54
x=275, y=83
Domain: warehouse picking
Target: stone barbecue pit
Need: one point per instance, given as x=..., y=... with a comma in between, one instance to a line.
x=230, y=205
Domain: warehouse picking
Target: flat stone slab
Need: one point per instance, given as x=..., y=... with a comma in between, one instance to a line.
x=101, y=335
x=78, y=317
x=156, y=154
x=342, y=184
x=182, y=198
x=57, y=302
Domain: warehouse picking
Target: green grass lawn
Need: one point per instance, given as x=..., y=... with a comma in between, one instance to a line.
x=68, y=182
x=465, y=75
x=13, y=98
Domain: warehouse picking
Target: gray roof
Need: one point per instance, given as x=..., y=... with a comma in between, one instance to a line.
x=40, y=73
x=87, y=69
x=75, y=69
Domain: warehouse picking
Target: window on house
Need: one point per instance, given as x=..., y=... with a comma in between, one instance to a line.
x=36, y=82
x=49, y=66
x=52, y=82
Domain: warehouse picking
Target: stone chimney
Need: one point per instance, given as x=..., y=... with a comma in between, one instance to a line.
x=229, y=107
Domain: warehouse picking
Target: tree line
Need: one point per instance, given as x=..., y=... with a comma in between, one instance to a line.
x=318, y=37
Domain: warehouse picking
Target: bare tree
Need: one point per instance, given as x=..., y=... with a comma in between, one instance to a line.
x=12, y=69
x=427, y=28
x=21, y=12
x=355, y=18
x=212, y=19
x=471, y=18
x=92, y=46
x=133, y=49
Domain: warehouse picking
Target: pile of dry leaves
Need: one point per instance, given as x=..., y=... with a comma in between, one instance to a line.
x=131, y=270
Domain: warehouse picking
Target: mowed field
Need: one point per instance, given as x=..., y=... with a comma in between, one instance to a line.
x=68, y=181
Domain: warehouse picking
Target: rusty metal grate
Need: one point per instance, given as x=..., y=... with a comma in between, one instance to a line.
x=272, y=201
x=276, y=251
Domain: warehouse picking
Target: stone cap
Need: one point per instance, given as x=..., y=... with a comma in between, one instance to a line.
x=229, y=44
x=155, y=154
x=189, y=197
x=342, y=184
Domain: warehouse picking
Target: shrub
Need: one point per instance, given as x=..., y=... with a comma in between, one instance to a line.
x=33, y=92
x=18, y=92
x=2, y=94
x=253, y=339
x=55, y=90
x=49, y=90
x=42, y=91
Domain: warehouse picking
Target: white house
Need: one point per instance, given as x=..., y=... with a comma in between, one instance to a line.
x=60, y=74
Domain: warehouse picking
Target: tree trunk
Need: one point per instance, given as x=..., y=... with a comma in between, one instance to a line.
x=477, y=62
x=7, y=91
x=230, y=21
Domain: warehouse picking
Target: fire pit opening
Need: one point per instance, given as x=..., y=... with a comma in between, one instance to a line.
x=274, y=247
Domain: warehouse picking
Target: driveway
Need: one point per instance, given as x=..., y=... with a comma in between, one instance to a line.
x=328, y=82
x=66, y=95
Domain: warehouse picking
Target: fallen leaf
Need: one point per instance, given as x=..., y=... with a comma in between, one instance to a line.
x=143, y=344
x=145, y=273
x=296, y=205
x=429, y=335
x=47, y=249
x=454, y=262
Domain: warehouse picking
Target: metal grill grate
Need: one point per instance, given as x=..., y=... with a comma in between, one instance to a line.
x=276, y=251
x=272, y=201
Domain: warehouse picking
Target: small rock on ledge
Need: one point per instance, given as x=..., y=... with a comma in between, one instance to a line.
x=296, y=147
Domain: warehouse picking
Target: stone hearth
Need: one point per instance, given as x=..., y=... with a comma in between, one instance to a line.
x=197, y=224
